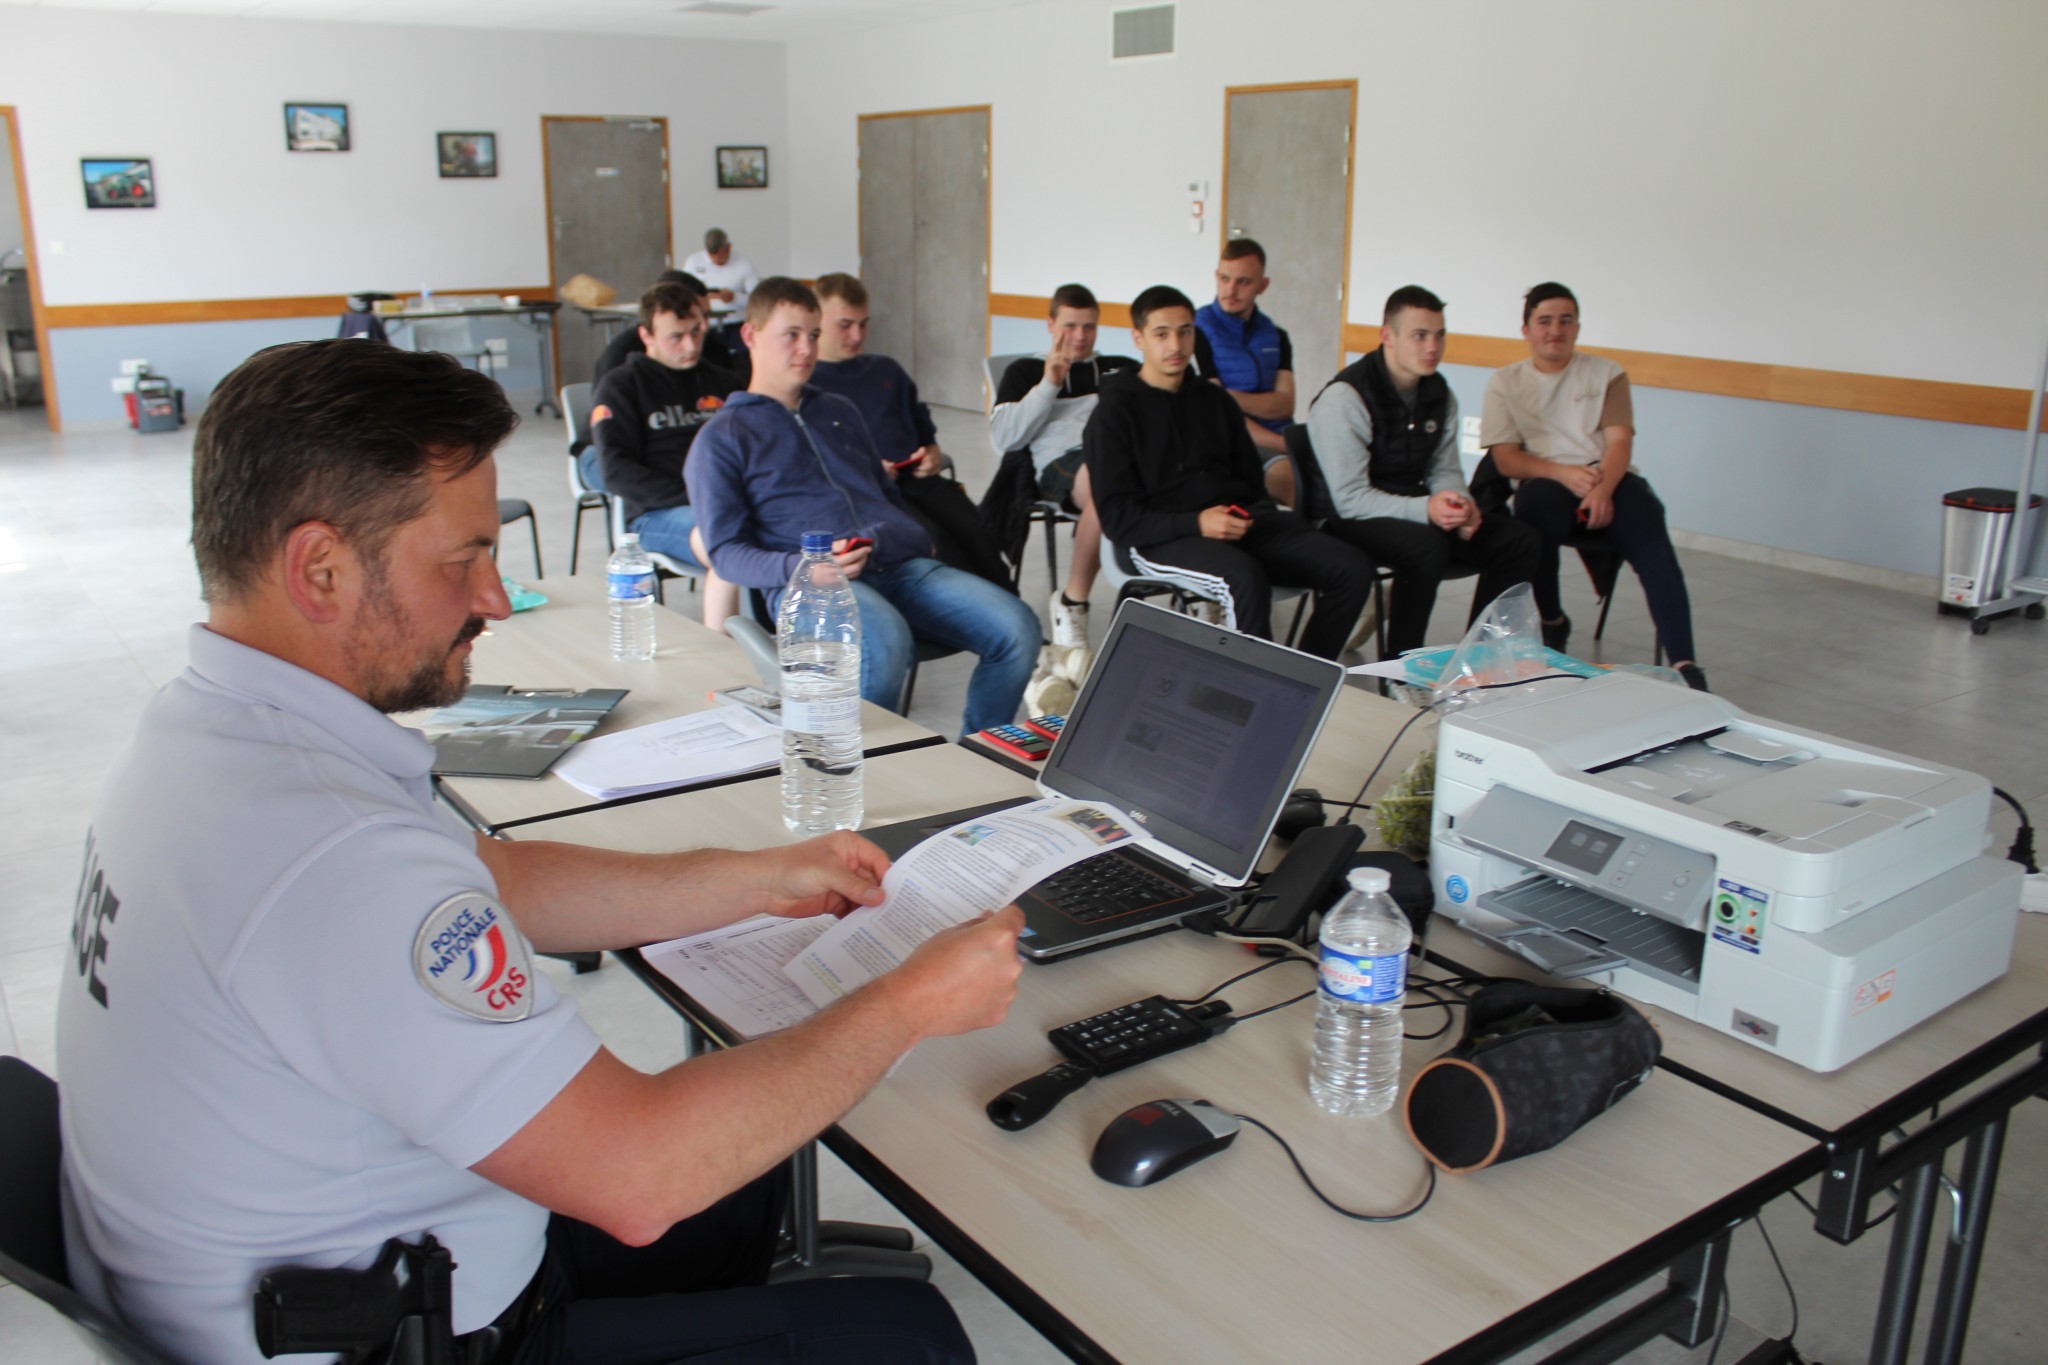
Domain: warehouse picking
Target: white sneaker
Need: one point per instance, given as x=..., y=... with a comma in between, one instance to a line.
x=1069, y=623
x=1209, y=613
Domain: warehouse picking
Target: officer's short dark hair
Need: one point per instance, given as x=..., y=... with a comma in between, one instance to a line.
x=1542, y=294
x=1410, y=296
x=844, y=287
x=1152, y=300
x=1237, y=248
x=669, y=297
x=775, y=291
x=341, y=431
x=1071, y=296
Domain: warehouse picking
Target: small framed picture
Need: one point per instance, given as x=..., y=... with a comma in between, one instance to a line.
x=118, y=182
x=316, y=127
x=467, y=156
x=743, y=168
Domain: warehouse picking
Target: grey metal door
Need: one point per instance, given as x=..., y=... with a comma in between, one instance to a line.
x=888, y=235
x=1287, y=184
x=924, y=247
x=608, y=216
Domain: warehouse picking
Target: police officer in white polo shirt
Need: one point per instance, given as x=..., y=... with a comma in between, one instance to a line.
x=304, y=1016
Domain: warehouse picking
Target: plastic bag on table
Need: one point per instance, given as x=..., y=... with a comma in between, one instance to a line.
x=1503, y=645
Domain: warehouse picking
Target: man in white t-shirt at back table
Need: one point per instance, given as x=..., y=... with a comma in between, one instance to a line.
x=728, y=278
x=1561, y=422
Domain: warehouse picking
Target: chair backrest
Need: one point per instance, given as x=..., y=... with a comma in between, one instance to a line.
x=1312, y=490
x=994, y=368
x=31, y=1218
x=576, y=405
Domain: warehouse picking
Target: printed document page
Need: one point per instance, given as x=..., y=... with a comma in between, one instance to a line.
x=698, y=747
x=980, y=864
x=736, y=973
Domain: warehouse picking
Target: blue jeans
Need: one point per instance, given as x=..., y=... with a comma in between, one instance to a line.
x=666, y=530
x=922, y=599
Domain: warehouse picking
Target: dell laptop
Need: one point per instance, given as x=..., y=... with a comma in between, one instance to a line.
x=1199, y=735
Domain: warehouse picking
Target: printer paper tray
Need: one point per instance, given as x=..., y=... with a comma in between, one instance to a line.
x=1570, y=931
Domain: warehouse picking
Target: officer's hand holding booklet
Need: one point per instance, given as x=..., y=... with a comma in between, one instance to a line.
x=767, y=973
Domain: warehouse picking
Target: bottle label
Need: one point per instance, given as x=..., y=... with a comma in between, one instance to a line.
x=1364, y=980
x=830, y=716
x=630, y=587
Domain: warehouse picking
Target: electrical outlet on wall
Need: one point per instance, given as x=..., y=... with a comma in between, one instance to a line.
x=124, y=384
x=1468, y=436
x=134, y=367
x=497, y=346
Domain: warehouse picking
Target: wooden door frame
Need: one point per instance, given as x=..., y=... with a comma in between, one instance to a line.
x=1350, y=182
x=988, y=157
x=46, y=370
x=547, y=191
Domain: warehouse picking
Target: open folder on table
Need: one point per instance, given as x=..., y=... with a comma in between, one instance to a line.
x=700, y=747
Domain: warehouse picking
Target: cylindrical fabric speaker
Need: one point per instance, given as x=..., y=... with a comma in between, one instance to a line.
x=1535, y=1064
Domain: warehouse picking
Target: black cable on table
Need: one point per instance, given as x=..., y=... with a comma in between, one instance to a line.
x=1428, y=1192
x=1359, y=802
x=2022, y=851
x=1790, y=1293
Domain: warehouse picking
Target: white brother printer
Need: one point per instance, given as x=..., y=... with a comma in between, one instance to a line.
x=1811, y=896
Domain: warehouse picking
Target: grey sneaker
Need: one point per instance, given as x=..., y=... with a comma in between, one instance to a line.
x=1069, y=623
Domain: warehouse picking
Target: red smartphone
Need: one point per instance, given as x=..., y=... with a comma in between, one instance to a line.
x=1049, y=726
x=1015, y=739
x=855, y=543
x=912, y=458
x=1233, y=507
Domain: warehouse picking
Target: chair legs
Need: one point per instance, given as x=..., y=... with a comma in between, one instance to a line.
x=533, y=529
x=576, y=535
x=814, y=1250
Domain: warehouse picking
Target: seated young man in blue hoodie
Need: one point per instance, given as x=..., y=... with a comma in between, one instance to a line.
x=784, y=458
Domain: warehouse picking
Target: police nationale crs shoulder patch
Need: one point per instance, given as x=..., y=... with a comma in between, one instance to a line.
x=470, y=957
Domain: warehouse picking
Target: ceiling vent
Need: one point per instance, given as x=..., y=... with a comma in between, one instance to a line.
x=1146, y=32
x=725, y=8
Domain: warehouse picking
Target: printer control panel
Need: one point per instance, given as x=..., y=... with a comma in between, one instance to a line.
x=1641, y=870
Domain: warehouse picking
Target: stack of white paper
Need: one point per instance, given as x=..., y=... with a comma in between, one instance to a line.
x=699, y=747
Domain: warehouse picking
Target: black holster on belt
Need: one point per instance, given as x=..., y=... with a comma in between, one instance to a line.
x=1536, y=1063
x=374, y=1316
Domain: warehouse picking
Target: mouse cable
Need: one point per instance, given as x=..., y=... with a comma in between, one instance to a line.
x=1359, y=802
x=2022, y=851
x=1428, y=1191
x=1267, y=965
x=1790, y=1293
x=1293, y=949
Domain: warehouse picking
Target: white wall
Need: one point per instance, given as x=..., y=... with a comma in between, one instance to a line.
x=10, y=203
x=1853, y=185
x=240, y=217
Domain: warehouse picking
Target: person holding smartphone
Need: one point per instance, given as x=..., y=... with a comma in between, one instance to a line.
x=1385, y=433
x=785, y=458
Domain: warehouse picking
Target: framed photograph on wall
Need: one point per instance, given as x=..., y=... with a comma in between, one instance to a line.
x=743, y=168
x=118, y=182
x=467, y=156
x=316, y=127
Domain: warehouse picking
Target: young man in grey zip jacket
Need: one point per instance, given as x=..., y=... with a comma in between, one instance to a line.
x=785, y=458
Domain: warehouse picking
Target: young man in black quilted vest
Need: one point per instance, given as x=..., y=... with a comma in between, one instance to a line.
x=1385, y=433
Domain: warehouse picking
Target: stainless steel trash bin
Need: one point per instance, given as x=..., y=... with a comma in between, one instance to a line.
x=1975, y=524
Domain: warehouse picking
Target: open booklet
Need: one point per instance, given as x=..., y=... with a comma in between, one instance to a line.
x=767, y=973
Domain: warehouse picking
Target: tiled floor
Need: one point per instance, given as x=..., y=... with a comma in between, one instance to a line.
x=97, y=588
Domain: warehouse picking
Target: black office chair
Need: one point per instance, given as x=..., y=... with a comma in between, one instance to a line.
x=31, y=1223
x=1494, y=493
x=514, y=509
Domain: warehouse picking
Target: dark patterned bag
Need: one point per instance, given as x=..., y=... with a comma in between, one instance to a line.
x=1535, y=1064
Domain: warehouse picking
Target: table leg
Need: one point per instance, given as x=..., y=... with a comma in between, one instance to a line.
x=543, y=334
x=1965, y=1252
x=1906, y=1260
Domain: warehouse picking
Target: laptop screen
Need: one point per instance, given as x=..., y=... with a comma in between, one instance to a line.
x=1199, y=733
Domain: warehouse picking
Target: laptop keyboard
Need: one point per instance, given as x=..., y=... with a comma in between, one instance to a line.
x=1101, y=887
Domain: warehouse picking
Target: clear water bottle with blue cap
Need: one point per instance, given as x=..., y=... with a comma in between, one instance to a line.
x=817, y=640
x=629, y=583
x=1355, y=1069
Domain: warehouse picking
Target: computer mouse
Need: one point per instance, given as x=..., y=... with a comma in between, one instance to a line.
x=1153, y=1140
x=1303, y=811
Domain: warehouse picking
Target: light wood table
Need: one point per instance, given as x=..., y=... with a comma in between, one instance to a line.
x=564, y=643
x=1234, y=1260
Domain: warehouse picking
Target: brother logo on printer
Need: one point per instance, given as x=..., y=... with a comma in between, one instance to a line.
x=1469, y=758
x=472, y=959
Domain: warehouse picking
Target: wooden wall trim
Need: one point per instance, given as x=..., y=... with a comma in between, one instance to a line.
x=231, y=310
x=1932, y=400
x=46, y=372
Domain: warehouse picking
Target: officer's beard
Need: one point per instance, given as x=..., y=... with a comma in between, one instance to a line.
x=378, y=650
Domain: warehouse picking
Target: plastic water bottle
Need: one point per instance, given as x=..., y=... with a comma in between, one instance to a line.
x=817, y=641
x=1356, y=1068
x=629, y=581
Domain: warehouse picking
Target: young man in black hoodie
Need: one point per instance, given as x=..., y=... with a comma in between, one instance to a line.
x=643, y=418
x=1179, y=484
